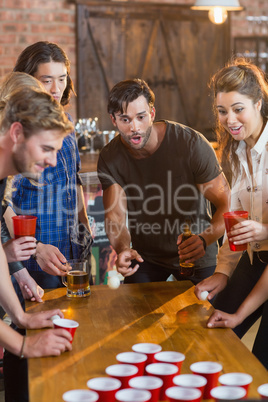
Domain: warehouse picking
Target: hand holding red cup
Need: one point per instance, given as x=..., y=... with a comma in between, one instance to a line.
x=24, y=225
x=69, y=325
x=231, y=219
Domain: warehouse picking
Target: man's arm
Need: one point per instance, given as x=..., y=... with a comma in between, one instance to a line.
x=82, y=210
x=216, y=191
x=115, y=205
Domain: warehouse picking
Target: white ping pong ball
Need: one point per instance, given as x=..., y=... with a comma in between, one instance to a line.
x=113, y=282
x=55, y=317
x=204, y=295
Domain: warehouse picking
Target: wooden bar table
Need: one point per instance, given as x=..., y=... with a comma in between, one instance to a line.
x=111, y=321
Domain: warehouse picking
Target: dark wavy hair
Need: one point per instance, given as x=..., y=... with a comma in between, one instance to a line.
x=127, y=91
x=241, y=76
x=45, y=52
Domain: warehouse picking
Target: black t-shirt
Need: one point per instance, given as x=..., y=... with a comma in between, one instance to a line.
x=161, y=191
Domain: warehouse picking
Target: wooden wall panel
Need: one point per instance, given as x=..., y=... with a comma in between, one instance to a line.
x=175, y=49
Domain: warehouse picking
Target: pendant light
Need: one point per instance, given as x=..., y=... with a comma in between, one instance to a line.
x=217, y=8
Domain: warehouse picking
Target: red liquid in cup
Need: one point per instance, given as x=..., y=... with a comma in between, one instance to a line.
x=231, y=219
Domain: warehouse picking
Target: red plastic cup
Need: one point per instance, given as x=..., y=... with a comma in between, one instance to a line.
x=190, y=381
x=236, y=380
x=149, y=383
x=228, y=393
x=231, y=219
x=209, y=370
x=132, y=395
x=174, y=394
x=149, y=349
x=170, y=357
x=106, y=387
x=69, y=325
x=137, y=359
x=164, y=371
x=123, y=372
x=80, y=395
x=263, y=391
x=24, y=225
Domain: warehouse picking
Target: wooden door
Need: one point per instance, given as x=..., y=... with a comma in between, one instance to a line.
x=175, y=49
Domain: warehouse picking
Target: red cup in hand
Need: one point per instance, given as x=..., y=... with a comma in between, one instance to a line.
x=24, y=225
x=69, y=325
x=231, y=219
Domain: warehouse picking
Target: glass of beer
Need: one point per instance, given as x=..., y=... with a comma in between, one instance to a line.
x=77, y=279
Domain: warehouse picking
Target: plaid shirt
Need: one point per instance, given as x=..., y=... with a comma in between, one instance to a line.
x=53, y=201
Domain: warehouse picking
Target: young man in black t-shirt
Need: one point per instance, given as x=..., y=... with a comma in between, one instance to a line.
x=156, y=175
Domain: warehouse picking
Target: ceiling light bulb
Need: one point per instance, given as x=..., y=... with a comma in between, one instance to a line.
x=217, y=15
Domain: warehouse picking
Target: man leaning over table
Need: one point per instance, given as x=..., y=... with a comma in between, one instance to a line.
x=62, y=228
x=32, y=129
x=156, y=175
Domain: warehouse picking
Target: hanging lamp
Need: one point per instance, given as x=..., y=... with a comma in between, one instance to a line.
x=217, y=9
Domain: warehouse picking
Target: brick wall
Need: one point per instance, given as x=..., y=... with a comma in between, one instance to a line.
x=23, y=22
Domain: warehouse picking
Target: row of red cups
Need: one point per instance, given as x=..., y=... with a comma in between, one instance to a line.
x=173, y=394
x=162, y=381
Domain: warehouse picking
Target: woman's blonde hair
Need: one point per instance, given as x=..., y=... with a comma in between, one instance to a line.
x=23, y=99
x=15, y=81
x=241, y=76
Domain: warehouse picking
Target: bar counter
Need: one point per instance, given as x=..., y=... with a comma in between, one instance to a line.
x=111, y=321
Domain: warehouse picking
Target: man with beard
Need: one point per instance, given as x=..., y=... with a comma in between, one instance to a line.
x=32, y=128
x=156, y=175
